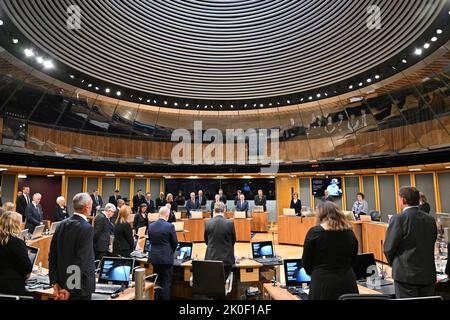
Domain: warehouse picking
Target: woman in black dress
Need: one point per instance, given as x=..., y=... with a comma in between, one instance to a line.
x=123, y=243
x=141, y=218
x=329, y=253
x=296, y=204
x=424, y=205
x=15, y=266
x=61, y=212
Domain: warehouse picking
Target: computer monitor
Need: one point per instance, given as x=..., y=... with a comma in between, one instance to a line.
x=24, y=234
x=262, y=249
x=294, y=273
x=183, y=251
x=54, y=226
x=362, y=264
x=38, y=231
x=32, y=254
x=147, y=245
x=115, y=270
x=182, y=209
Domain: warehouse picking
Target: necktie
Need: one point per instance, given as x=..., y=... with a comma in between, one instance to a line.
x=27, y=199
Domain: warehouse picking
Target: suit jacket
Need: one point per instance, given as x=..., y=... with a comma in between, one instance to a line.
x=60, y=213
x=329, y=198
x=123, y=240
x=192, y=206
x=114, y=200
x=137, y=202
x=72, y=246
x=33, y=216
x=213, y=203
x=150, y=206
x=103, y=229
x=14, y=266
x=409, y=247
x=236, y=200
x=140, y=221
x=164, y=242
x=220, y=237
x=223, y=198
x=160, y=203
x=203, y=202
x=180, y=200
x=261, y=202
x=21, y=204
x=425, y=207
x=242, y=207
x=297, y=206
x=96, y=203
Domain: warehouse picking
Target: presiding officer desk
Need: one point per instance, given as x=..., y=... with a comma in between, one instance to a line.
x=292, y=230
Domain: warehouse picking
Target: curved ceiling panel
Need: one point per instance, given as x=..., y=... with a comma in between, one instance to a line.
x=223, y=50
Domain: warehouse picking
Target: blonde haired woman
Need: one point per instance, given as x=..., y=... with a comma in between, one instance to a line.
x=9, y=206
x=173, y=204
x=15, y=266
x=123, y=234
x=328, y=254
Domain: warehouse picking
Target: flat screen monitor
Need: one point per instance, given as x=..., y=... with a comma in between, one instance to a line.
x=183, y=251
x=116, y=270
x=147, y=245
x=333, y=185
x=362, y=264
x=262, y=249
x=32, y=254
x=294, y=273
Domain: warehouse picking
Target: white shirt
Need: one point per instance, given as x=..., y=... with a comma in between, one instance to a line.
x=409, y=207
x=81, y=215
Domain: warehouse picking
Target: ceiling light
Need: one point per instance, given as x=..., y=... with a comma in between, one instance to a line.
x=59, y=172
x=154, y=101
x=261, y=105
x=48, y=64
x=22, y=176
x=232, y=106
x=270, y=104
x=50, y=176
x=97, y=88
x=247, y=177
x=310, y=98
x=438, y=31
x=245, y=105
x=318, y=95
x=110, y=175
x=350, y=87
x=377, y=77
x=40, y=60
x=89, y=85
x=165, y=102
x=29, y=53
x=404, y=61
x=320, y=174
x=360, y=84
x=434, y=39
x=326, y=94
x=193, y=177
x=176, y=104
x=302, y=99
x=418, y=52
x=15, y=41
x=167, y=177
x=148, y=100
x=289, y=101
x=415, y=169
x=119, y=93
x=140, y=98
x=107, y=90
x=426, y=45
x=349, y=173
x=380, y=172
x=369, y=80
x=1, y=22
x=139, y=176
x=187, y=104
x=3, y=169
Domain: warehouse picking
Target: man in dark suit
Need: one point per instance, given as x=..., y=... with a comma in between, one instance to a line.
x=409, y=247
x=137, y=200
x=192, y=204
x=163, y=239
x=326, y=197
x=33, y=213
x=72, y=254
x=201, y=198
x=23, y=201
x=161, y=201
x=103, y=229
x=223, y=197
x=238, y=197
x=220, y=237
x=150, y=203
x=97, y=202
x=260, y=200
x=242, y=204
x=120, y=203
x=116, y=196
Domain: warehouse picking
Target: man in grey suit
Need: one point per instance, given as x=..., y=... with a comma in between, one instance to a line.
x=409, y=247
x=220, y=237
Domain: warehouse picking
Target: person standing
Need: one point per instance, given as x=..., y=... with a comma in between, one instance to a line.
x=61, y=212
x=150, y=203
x=360, y=207
x=180, y=200
x=260, y=200
x=242, y=204
x=423, y=203
x=220, y=237
x=409, y=247
x=213, y=203
x=72, y=245
x=116, y=196
x=238, y=197
x=137, y=200
x=123, y=243
x=97, y=202
x=23, y=200
x=141, y=218
x=161, y=201
x=223, y=198
x=163, y=239
x=296, y=204
x=192, y=204
x=33, y=213
x=103, y=230
x=15, y=266
x=201, y=198
x=329, y=252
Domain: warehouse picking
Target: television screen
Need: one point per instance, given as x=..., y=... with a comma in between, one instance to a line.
x=333, y=185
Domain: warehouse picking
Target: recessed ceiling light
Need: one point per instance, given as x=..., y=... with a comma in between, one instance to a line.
x=140, y=98
x=434, y=39
x=369, y=80
x=418, y=52
x=289, y=101
x=377, y=77
x=247, y=177
x=48, y=64
x=438, y=31
x=22, y=176
x=119, y=93
x=29, y=53
x=360, y=84
x=310, y=98
x=97, y=88
x=1, y=22
x=154, y=101
x=404, y=61
x=414, y=169
x=187, y=105
x=40, y=60
x=193, y=177
x=349, y=173
x=15, y=41
x=380, y=172
x=270, y=104
x=318, y=95
x=232, y=106
x=165, y=102
x=302, y=99
x=176, y=104
x=350, y=87
x=139, y=176
x=110, y=175
x=89, y=85
x=107, y=90
x=50, y=176
x=320, y=174
x=261, y=105
x=148, y=100
x=426, y=45
x=58, y=172
x=3, y=169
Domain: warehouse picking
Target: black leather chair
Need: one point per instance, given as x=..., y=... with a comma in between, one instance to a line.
x=355, y=296
x=208, y=280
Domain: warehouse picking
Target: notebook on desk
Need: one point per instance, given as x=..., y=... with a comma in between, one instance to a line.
x=38, y=232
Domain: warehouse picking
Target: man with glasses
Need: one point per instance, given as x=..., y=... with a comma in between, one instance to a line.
x=103, y=229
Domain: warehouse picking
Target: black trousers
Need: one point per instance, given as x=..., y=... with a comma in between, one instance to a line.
x=406, y=290
x=165, y=276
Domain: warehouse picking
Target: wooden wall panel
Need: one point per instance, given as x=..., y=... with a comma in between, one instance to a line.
x=283, y=187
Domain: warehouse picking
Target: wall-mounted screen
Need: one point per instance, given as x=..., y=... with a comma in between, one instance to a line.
x=333, y=185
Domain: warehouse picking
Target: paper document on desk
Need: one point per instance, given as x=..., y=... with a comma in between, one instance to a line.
x=306, y=291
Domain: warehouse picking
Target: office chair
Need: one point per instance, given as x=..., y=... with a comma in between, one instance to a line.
x=355, y=296
x=11, y=297
x=436, y=298
x=208, y=280
x=375, y=215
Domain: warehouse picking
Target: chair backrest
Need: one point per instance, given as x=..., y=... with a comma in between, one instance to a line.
x=355, y=296
x=422, y=298
x=208, y=279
